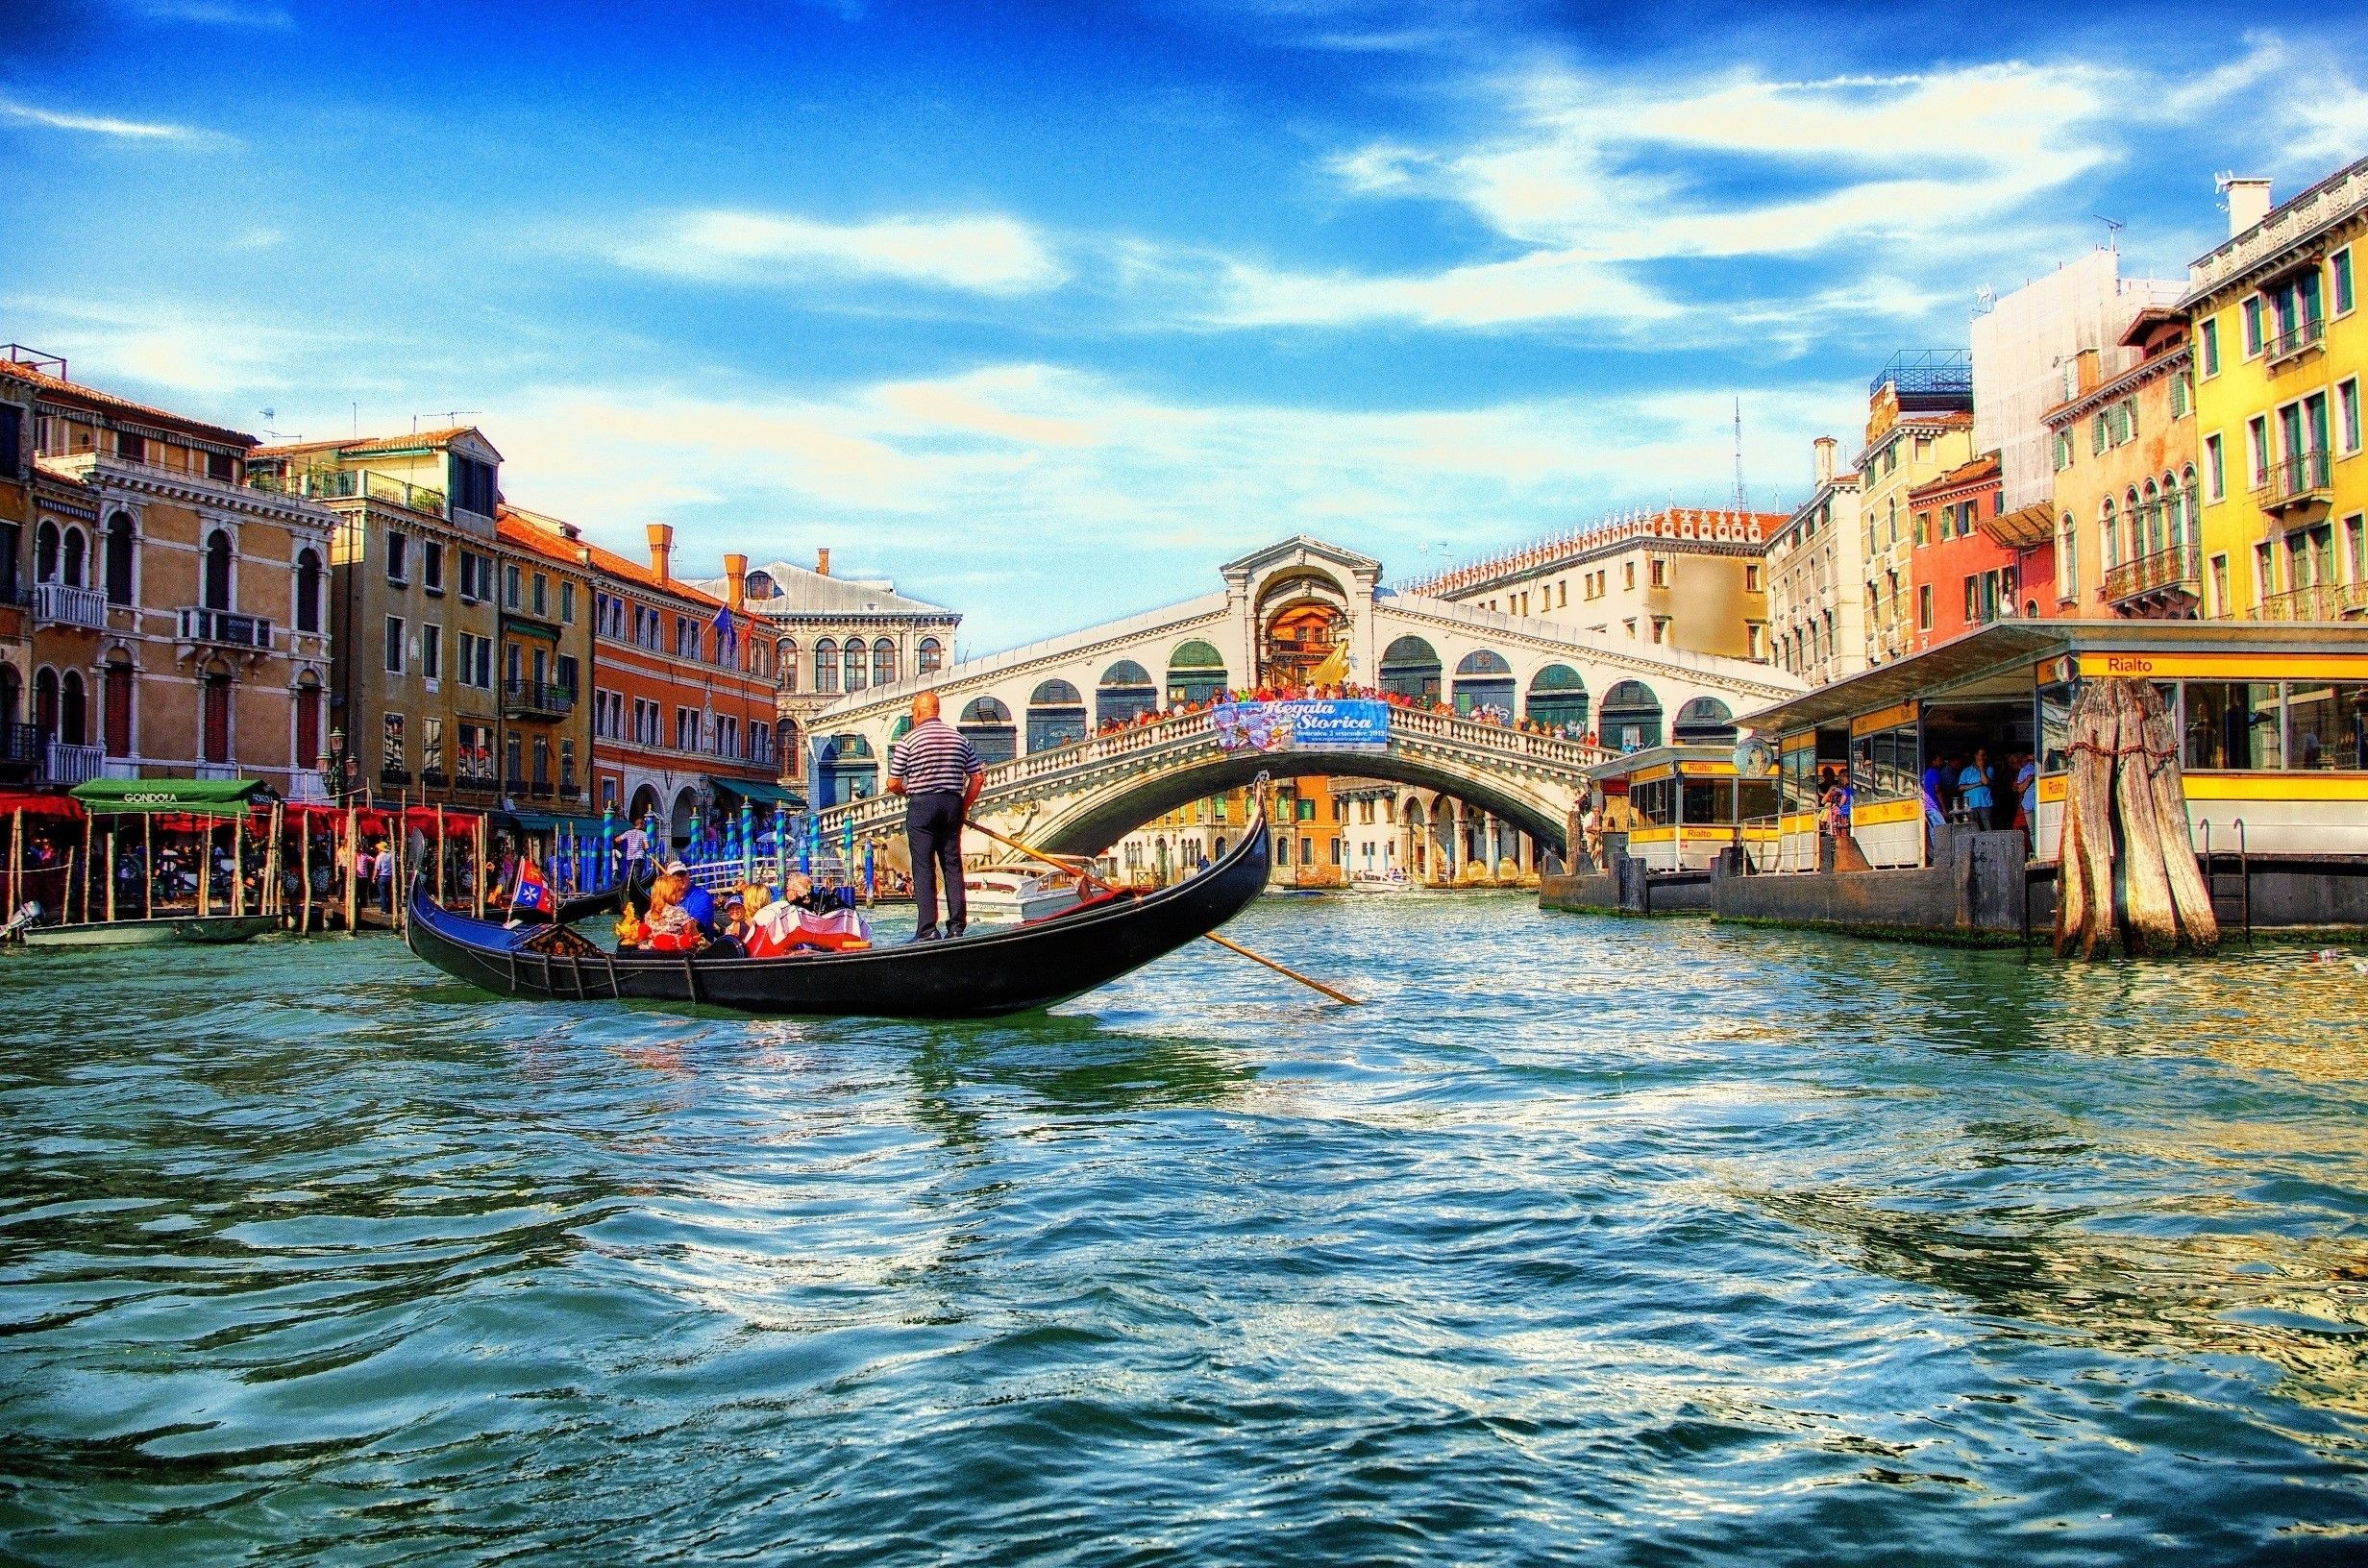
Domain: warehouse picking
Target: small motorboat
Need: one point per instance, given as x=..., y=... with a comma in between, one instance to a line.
x=1393, y=882
x=984, y=973
x=1009, y=896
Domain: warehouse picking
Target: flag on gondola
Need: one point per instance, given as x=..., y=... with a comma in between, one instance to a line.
x=533, y=892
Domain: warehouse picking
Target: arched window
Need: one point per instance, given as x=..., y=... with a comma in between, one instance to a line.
x=987, y=726
x=2068, y=558
x=1409, y=668
x=785, y=660
x=307, y=590
x=1484, y=687
x=45, y=552
x=11, y=695
x=1195, y=671
x=116, y=725
x=932, y=657
x=826, y=666
x=2151, y=512
x=45, y=704
x=75, y=573
x=1125, y=691
x=2133, y=521
x=308, y=723
x=2109, y=530
x=119, y=558
x=1558, y=698
x=73, y=710
x=883, y=663
x=219, y=571
x=1055, y=716
x=1704, y=721
x=1630, y=718
x=854, y=664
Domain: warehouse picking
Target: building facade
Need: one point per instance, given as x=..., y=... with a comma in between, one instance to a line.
x=682, y=690
x=416, y=568
x=174, y=622
x=2279, y=342
x=1685, y=578
x=544, y=659
x=1815, y=567
x=832, y=636
x=1965, y=570
x=1920, y=425
x=2129, y=536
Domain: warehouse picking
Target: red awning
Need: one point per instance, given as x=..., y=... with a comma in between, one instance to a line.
x=38, y=808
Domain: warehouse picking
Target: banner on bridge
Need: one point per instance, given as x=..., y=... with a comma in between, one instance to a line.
x=1303, y=724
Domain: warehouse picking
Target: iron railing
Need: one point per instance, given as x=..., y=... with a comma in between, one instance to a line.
x=224, y=629
x=2303, y=336
x=2299, y=477
x=348, y=483
x=2322, y=601
x=2181, y=566
x=537, y=699
x=20, y=745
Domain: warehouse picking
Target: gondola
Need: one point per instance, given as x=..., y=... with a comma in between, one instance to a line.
x=982, y=974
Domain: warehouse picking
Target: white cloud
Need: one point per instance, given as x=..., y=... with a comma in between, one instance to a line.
x=102, y=125
x=987, y=254
x=217, y=13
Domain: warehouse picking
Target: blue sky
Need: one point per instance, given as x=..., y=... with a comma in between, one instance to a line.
x=1045, y=310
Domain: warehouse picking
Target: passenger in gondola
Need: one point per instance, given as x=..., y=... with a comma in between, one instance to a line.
x=670, y=926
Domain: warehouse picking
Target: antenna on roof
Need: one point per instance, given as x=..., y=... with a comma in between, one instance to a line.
x=1743, y=498
x=2112, y=230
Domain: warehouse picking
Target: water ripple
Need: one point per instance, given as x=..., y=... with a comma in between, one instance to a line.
x=1656, y=1242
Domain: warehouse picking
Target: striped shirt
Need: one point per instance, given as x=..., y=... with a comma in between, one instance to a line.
x=933, y=758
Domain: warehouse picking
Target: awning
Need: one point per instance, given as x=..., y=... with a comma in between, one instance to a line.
x=764, y=796
x=543, y=821
x=196, y=796
x=38, y=808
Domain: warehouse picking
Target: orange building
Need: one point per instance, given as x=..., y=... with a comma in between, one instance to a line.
x=682, y=694
x=1970, y=564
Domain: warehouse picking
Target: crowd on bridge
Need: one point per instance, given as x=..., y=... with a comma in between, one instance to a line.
x=1486, y=712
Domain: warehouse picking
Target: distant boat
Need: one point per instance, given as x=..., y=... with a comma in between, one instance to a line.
x=1393, y=882
x=1006, y=895
x=141, y=933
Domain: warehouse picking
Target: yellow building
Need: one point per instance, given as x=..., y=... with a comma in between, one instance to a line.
x=1920, y=425
x=2279, y=341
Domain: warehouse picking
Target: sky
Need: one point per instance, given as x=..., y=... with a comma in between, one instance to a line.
x=1047, y=311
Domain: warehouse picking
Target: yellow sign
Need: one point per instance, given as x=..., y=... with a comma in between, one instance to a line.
x=1877, y=812
x=2226, y=666
x=1890, y=718
x=1805, y=741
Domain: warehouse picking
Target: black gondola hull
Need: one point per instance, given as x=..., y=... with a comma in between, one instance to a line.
x=994, y=971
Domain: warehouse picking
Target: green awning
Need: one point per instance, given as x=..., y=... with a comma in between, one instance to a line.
x=543, y=821
x=765, y=796
x=220, y=796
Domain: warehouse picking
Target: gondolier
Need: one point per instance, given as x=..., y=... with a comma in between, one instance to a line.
x=939, y=775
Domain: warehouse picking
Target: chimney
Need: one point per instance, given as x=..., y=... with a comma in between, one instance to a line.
x=736, y=576
x=662, y=550
x=2248, y=202
x=1826, y=446
x=822, y=561
x=2087, y=370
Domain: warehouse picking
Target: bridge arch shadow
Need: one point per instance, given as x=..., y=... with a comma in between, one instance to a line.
x=1092, y=823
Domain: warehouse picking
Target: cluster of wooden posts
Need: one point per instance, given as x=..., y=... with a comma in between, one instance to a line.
x=2126, y=809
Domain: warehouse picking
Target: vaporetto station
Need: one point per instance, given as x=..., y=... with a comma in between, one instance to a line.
x=1062, y=777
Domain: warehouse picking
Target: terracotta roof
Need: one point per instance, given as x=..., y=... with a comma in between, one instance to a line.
x=58, y=387
x=546, y=536
x=376, y=446
x=543, y=533
x=1981, y=470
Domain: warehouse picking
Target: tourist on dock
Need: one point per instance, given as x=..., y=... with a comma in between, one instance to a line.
x=1973, y=790
x=2026, y=791
x=934, y=768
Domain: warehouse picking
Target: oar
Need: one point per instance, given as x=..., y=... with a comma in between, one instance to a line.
x=1078, y=871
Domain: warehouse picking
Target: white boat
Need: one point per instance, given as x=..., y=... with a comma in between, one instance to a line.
x=1393, y=882
x=1008, y=896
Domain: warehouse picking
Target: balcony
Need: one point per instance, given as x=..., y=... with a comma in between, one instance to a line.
x=2327, y=602
x=55, y=604
x=2297, y=481
x=2297, y=340
x=66, y=766
x=226, y=628
x=216, y=772
x=395, y=777
x=348, y=484
x=535, y=699
x=2176, y=570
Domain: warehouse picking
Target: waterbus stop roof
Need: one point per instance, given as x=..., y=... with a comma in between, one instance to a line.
x=2014, y=645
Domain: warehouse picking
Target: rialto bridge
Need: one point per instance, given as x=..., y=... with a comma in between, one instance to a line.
x=1061, y=777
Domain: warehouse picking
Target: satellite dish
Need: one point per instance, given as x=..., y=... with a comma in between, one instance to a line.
x=1753, y=758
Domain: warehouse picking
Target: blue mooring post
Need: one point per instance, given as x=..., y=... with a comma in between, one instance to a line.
x=609, y=836
x=780, y=841
x=748, y=839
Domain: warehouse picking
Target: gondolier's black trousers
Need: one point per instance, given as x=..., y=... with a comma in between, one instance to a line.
x=933, y=828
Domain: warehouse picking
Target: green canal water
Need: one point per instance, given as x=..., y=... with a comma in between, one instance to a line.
x=1652, y=1242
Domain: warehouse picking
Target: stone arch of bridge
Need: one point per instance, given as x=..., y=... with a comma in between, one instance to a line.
x=1091, y=822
